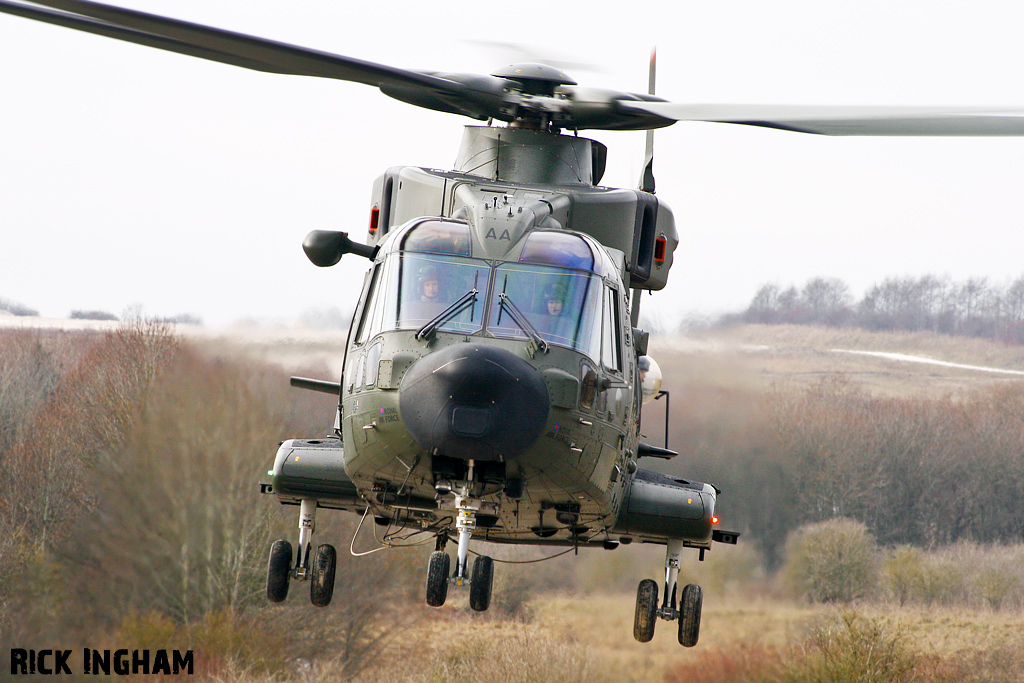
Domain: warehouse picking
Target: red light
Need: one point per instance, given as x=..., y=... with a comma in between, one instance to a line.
x=660, y=245
x=714, y=519
x=374, y=218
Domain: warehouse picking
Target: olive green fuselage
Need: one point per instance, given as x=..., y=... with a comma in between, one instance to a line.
x=494, y=355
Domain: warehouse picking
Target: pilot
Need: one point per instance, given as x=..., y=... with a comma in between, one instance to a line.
x=551, y=317
x=425, y=300
x=555, y=299
x=429, y=285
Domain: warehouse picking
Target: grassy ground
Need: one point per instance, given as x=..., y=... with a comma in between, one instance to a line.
x=593, y=636
x=595, y=630
x=604, y=624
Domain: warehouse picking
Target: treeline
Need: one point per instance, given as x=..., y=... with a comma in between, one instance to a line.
x=917, y=471
x=18, y=309
x=15, y=308
x=975, y=307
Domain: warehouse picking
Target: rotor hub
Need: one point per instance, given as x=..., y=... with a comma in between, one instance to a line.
x=536, y=79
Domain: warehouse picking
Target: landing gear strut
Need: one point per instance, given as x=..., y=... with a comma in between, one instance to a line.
x=648, y=611
x=320, y=572
x=480, y=581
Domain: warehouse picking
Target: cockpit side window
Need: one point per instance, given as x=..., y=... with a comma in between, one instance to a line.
x=380, y=316
x=372, y=301
x=610, y=349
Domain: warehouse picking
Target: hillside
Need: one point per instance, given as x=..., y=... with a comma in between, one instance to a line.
x=759, y=356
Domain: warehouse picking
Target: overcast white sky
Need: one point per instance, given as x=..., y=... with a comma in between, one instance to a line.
x=128, y=175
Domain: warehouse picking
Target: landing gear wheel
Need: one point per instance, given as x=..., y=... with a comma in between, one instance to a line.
x=437, y=578
x=279, y=567
x=646, y=610
x=321, y=575
x=689, y=615
x=480, y=584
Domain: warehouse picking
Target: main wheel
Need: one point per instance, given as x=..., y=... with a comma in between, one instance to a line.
x=689, y=615
x=279, y=568
x=480, y=584
x=321, y=575
x=437, y=578
x=646, y=610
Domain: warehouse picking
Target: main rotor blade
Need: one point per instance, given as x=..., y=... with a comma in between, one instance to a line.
x=843, y=120
x=252, y=52
x=481, y=97
x=112, y=31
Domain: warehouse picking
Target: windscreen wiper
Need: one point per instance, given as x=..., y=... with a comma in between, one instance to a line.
x=465, y=301
x=521, y=320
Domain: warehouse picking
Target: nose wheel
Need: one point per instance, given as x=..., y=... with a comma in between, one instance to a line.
x=480, y=581
x=320, y=572
x=648, y=612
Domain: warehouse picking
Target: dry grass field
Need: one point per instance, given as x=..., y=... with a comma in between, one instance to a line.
x=760, y=356
x=588, y=639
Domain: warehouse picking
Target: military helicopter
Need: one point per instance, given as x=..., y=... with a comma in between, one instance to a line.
x=494, y=371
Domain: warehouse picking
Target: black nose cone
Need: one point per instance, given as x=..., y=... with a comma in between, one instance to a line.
x=474, y=402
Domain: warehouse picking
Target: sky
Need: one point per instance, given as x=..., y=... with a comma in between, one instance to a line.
x=133, y=177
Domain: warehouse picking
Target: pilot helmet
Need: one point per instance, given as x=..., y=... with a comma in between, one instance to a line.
x=428, y=273
x=555, y=292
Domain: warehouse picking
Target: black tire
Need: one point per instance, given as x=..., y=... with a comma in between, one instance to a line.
x=689, y=615
x=321, y=575
x=437, y=578
x=646, y=610
x=279, y=568
x=480, y=584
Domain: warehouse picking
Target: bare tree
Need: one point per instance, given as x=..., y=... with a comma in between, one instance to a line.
x=1015, y=301
x=764, y=307
x=825, y=300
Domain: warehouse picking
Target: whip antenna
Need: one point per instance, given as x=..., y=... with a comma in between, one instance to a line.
x=647, y=180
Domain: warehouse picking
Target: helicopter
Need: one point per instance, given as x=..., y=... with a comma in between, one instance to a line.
x=495, y=370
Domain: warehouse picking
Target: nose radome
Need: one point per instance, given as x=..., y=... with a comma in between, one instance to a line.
x=473, y=401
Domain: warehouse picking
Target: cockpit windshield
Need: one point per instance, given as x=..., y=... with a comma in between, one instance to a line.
x=555, y=293
x=413, y=289
x=430, y=273
x=430, y=284
x=564, y=306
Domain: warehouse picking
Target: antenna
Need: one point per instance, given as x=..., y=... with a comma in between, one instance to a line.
x=647, y=180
